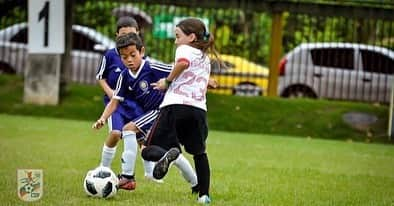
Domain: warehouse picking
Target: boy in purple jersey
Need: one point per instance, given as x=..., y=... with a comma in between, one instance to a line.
x=107, y=75
x=134, y=83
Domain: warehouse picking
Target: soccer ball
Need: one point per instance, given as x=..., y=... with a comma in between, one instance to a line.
x=101, y=182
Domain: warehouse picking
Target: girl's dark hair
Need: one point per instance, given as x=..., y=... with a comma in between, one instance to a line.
x=129, y=39
x=126, y=21
x=204, y=41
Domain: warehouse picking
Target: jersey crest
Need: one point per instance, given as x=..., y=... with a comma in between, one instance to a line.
x=143, y=85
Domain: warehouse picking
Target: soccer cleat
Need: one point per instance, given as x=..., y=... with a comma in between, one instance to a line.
x=195, y=189
x=204, y=199
x=151, y=178
x=161, y=167
x=126, y=183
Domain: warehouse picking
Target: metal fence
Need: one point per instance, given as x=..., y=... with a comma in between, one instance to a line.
x=355, y=63
x=338, y=55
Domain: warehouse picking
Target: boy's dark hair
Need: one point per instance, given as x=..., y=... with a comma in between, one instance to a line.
x=129, y=39
x=126, y=21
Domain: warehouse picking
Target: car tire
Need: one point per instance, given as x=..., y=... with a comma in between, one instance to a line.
x=247, y=90
x=299, y=91
x=6, y=69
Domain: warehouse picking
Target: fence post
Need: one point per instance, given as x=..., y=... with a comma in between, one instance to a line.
x=275, y=52
x=65, y=70
x=390, y=130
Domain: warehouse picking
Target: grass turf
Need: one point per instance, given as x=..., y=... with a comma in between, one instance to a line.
x=247, y=169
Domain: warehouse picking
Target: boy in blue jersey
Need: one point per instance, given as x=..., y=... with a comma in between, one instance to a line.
x=107, y=74
x=134, y=83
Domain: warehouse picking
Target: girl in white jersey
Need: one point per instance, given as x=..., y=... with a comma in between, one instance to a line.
x=182, y=119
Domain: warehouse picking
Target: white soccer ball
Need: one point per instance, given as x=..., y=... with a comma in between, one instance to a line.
x=101, y=182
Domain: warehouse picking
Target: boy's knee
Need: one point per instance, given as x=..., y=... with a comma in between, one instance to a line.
x=115, y=134
x=130, y=127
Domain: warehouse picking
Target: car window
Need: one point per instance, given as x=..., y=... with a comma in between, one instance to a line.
x=20, y=37
x=82, y=42
x=377, y=62
x=333, y=57
x=229, y=65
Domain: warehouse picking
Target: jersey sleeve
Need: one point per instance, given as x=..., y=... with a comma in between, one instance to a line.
x=160, y=70
x=183, y=53
x=121, y=86
x=102, y=72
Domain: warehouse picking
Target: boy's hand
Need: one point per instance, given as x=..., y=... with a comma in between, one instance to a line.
x=98, y=124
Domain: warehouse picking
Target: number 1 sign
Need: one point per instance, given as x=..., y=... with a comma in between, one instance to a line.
x=46, y=26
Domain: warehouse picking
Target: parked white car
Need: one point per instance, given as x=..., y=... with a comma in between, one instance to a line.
x=347, y=71
x=87, y=48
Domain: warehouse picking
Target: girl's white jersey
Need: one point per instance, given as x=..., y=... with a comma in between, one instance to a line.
x=190, y=87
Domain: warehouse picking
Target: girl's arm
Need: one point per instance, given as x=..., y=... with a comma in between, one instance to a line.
x=163, y=83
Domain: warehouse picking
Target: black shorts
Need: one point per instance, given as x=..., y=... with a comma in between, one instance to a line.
x=180, y=125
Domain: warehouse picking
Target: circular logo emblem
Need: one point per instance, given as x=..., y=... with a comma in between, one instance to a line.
x=143, y=85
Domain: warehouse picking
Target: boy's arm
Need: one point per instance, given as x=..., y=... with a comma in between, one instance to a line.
x=104, y=85
x=161, y=70
x=109, y=109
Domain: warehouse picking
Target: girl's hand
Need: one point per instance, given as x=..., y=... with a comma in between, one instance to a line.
x=160, y=85
x=212, y=83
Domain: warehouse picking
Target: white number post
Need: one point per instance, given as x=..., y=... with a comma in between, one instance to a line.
x=46, y=39
x=46, y=26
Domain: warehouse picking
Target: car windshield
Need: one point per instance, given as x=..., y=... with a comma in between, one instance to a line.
x=94, y=35
x=18, y=33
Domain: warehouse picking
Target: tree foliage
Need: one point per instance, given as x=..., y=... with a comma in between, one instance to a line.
x=237, y=31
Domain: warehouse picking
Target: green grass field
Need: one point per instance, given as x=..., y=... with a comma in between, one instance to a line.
x=322, y=119
x=247, y=169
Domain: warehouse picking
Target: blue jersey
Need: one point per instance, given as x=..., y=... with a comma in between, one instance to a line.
x=109, y=69
x=138, y=86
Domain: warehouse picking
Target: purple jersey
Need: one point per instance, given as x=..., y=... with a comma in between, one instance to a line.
x=109, y=69
x=138, y=86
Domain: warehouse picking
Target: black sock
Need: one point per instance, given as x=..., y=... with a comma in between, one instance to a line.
x=203, y=173
x=153, y=153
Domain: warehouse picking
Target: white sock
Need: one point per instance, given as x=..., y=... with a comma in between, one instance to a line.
x=148, y=167
x=107, y=155
x=130, y=153
x=186, y=169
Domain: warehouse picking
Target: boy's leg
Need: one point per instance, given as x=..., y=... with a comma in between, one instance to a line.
x=115, y=125
x=128, y=161
x=142, y=125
